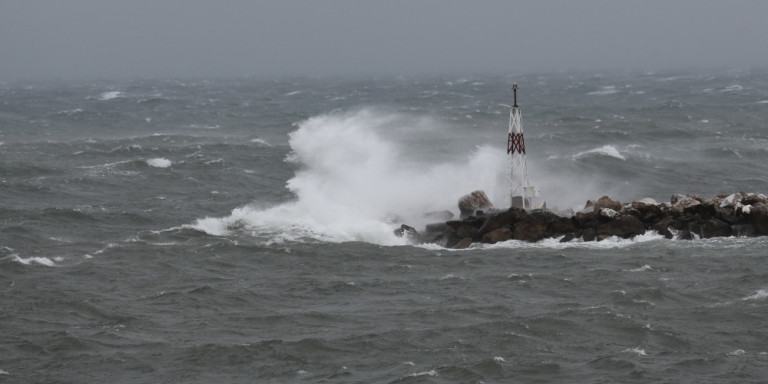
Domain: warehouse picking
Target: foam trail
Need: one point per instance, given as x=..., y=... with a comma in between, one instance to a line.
x=356, y=185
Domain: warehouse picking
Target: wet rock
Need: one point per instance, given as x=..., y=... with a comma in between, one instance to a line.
x=685, y=235
x=681, y=204
x=586, y=219
x=663, y=226
x=507, y=219
x=534, y=227
x=623, y=226
x=607, y=202
x=407, y=231
x=608, y=213
x=589, y=234
x=568, y=237
x=743, y=230
x=759, y=218
x=463, y=243
x=469, y=204
x=711, y=228
x=497, y=235
x=754, y=198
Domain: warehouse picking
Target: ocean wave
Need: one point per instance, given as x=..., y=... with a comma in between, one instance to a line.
x=605, y=90
x=604, y=151
x=355, y=184
x=38, y=260
x=159, y=162
x=732, y=88
x=760, y=294
x=110, y=95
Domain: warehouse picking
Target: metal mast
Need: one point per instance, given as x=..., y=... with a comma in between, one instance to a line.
x=521, y=192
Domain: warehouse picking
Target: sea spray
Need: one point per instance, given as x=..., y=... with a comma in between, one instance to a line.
x=355, y=184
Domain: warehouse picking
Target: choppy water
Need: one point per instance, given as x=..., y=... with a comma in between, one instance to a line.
x=241, y=231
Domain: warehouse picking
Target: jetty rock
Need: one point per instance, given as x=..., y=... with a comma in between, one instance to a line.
x=684, y=217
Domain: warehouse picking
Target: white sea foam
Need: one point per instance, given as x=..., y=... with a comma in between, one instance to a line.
x=733, y=88
x=605, y=150
x=159, y=162
x=354, y=184
x=261, y=141
x=293, y=93
x=431, y=372
x=34, y=260
x=737, y=352
x=644, y=268
x=498, y=359
x=110, y=95
x=606, y=90
x=554, y=243
x=760, y=294
x=4, y=372
x=636, y=350
x=762, y=102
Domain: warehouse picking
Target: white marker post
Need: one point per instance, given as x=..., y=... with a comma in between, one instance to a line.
x=521, y=191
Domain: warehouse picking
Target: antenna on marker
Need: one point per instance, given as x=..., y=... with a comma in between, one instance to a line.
x=521, y=192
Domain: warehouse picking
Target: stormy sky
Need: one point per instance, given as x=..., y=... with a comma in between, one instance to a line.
x=270, y=38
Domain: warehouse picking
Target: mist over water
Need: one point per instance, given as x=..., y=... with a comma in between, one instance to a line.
x=241, y=230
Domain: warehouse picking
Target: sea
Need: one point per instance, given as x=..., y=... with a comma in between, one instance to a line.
x=240, y=230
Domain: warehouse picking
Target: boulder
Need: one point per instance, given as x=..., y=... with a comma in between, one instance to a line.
x=568, y=237
x=463, y=243
x=535, y=226
x=711, y=228
x=408, y=232
x=625, y=226
x=663, y=225
x=585, y=219
x=759, y=218
x=589, y=234
x=754, y=198
x=507, y=219
x=684, y=203
x=459, y=229
x=608, y=213
x=647, y=210
x=477, y=200
x=744, y=230
x=497, y=235
x=606, y=202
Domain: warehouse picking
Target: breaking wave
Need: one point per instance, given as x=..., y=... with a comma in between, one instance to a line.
x=355, y=183
x=604, y=151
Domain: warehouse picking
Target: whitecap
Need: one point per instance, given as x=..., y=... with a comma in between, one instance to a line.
x=355, y=183
x=261, y=141
x=498, y=359
x=110, y=95
x=636, y=350
x=737, y=352
x=606, y=90
x=733, y=88
x=762, y=102
x=34, y=260
x=293, y=93
x=605, y=150
x=431, y=372
x=159, y=162
x=644, y=268
x=4, y=372
x=760, y=294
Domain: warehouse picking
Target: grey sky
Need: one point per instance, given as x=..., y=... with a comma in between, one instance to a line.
x=107, y=38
